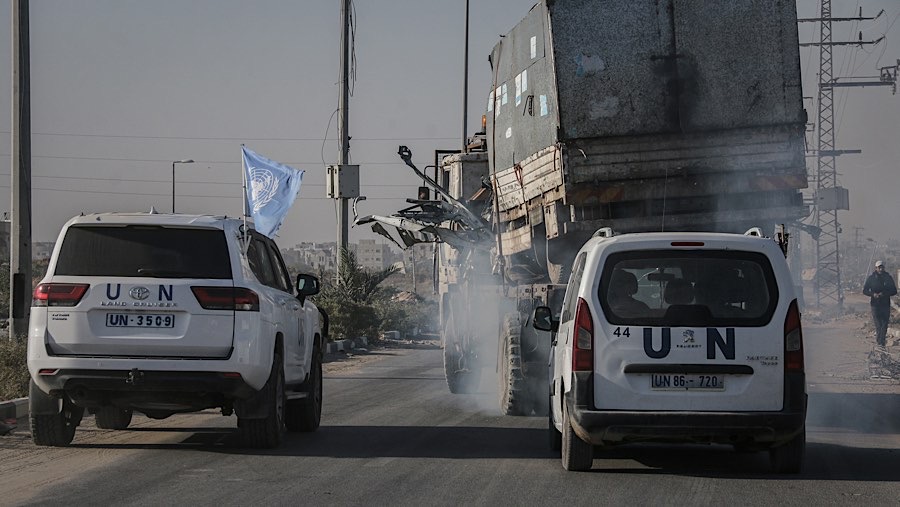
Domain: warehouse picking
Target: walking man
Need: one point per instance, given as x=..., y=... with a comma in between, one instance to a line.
x=880, y=287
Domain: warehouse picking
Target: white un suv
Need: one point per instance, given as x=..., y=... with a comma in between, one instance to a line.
x=164, y=314
x=677, y=337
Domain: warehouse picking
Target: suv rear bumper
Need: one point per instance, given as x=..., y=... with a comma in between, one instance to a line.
x=179, y=390
x=762, y=429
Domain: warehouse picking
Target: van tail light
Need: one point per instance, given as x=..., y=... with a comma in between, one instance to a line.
x=58, y=294
x=793, y=339
x=238, y=299
x=582, y=350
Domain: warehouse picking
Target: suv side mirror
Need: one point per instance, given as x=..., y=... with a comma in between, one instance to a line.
x=543, y=319
x=307, y=285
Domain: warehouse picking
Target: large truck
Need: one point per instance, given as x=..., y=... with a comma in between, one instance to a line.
x=632, y=115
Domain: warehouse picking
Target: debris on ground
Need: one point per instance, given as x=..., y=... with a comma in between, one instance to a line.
x=884, y=364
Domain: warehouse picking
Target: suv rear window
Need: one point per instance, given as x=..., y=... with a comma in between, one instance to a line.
x=153, y=251
x=667, y=288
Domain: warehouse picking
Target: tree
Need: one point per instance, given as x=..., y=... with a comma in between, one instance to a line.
x=350, y=300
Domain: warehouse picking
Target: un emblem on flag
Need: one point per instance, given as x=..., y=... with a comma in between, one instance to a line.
x=263, y=186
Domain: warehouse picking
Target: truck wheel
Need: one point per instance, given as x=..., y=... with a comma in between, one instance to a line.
x=577, y=455
x=788, y=458
x=305, y=414
x=55, y=430
x=460, y=380
x=512, y=386
x=112, y=418
x=268, y=431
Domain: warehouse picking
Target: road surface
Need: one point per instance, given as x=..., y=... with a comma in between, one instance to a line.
x=393, y=434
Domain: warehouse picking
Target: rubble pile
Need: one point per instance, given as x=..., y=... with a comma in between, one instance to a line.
x=884, y=364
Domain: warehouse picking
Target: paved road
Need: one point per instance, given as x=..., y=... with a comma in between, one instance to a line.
x=392, y=434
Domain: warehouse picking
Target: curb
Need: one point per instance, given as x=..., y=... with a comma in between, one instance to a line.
x=345, y=345
x=13, y=409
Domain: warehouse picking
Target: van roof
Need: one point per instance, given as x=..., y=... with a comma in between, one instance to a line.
x=665, y=240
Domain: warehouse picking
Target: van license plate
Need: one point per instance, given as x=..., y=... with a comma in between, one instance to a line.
x=678, y=382
x=139, y=320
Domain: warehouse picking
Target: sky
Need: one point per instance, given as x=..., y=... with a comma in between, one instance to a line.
x=121, y=88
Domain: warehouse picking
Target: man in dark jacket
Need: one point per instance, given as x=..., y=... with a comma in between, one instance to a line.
x=880, y=287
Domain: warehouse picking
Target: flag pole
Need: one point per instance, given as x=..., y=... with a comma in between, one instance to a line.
x=244, y=199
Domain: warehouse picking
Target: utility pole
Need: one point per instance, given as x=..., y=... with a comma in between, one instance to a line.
x=828, y=271
x=343, y=125
x=20, y=173
x=342, y=180
x=465, y=108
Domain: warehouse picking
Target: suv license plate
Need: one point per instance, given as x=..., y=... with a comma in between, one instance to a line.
x=678, y=382
x=139, y=320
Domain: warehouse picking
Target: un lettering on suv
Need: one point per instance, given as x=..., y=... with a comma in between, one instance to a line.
x=163, y=314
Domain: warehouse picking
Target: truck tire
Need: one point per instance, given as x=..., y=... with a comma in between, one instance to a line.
x=513, y=389
x=57, y=430
x=112, y=418
x=577, y=455
x=305, y=414
x=267, y=432
x=788, y=458
x=460, y=379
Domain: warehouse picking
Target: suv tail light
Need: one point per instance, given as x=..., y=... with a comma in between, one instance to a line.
x=58, y=294
x=583, y=345
x=227, y=298
x=793, y=339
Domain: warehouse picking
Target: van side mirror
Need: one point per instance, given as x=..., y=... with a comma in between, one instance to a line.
x=543, y=319
x=307, y=285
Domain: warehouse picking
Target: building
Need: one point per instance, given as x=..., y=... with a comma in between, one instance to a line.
x=372, y=255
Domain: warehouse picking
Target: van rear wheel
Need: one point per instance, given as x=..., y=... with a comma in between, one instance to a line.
x=788, y=458
x=577, y=455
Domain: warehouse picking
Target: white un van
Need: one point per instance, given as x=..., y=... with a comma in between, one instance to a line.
x=677, y=337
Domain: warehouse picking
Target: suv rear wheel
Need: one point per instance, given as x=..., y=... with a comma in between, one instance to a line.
x=112, y=418
x=304, y=414
x=57, y=430
x=268, y=432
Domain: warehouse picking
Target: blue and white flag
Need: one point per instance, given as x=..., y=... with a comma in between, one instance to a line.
x=271, y=190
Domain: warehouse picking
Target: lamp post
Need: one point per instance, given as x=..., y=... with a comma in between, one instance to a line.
x=185, y=161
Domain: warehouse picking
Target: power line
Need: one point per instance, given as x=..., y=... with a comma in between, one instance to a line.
x=244, y=139
x=301, y=198
x=134, y=180
x=166, y=160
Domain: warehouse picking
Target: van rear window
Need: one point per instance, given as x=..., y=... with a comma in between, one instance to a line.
x=669, y=288
x=137, y=251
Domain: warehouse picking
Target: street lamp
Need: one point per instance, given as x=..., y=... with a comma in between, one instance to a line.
x=185, y=161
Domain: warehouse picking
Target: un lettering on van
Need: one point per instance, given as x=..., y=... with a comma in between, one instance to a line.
x=714, y=342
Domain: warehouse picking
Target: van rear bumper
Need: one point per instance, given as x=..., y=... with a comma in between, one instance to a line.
x=762, y=428
x=750, y=429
